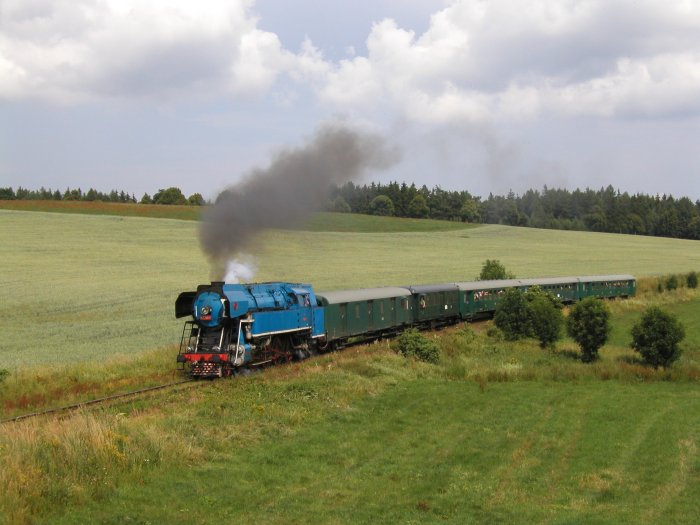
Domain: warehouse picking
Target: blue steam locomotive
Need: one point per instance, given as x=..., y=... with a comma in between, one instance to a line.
x=236, y=327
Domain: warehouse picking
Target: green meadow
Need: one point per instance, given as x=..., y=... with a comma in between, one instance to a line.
x=496, y=432
x=81, y=287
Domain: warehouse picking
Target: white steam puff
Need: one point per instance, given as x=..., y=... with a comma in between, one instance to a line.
x=240, y=270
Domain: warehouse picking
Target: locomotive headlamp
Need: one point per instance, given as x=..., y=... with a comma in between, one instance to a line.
x=206, y=310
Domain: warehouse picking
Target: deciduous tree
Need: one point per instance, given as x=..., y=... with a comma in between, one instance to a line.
x=512, y=315
x=493, y=269
x=656, y=337
x=381, y=205
x=589, y=325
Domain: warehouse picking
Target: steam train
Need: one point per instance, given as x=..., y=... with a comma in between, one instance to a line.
x=237, y=327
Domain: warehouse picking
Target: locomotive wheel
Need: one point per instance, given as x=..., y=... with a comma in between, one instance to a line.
x=280, y=349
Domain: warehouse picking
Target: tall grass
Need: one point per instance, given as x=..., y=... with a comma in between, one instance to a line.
x=73, y=460
x=366, y=435
x=39, y=388
x=95, y=455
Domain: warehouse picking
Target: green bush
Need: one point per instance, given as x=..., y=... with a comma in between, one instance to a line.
x=512, y=315
x=3, y=374
x=494, y=333
x=413, y=344
x=546, y=318
x=534, y=313
x=493, y=269
x=692, y=280
x=589, y=325
x=656, y=337
x=671, y=282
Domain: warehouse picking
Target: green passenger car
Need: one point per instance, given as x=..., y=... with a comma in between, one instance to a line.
x=367, y=312
x=435, y=304
x=607, y=286
x=480, y=298
x=563, y=288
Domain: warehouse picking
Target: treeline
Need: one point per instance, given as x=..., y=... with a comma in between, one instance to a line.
x=170, y=195
x=603, y=210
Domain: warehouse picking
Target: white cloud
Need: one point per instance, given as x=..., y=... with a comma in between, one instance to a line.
x=663, y=84
x=75, y=49
x=477, y=61
x=498, y=59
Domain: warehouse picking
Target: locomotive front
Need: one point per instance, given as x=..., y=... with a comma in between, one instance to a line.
x=242, y=325
x=212, y=343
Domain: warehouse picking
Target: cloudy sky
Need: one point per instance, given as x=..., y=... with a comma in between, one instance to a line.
x=485, y=96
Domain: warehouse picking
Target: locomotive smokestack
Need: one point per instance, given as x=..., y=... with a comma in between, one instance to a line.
x=295, y=185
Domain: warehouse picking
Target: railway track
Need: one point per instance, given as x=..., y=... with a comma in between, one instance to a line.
x=98, y=401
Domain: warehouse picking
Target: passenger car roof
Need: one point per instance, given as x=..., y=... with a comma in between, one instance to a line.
x=362, y=294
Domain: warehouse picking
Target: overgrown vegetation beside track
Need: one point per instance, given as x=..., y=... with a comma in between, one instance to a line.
x=40, y=388
x=492, y=431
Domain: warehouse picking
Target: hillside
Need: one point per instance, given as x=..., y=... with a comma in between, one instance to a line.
x=320, y=222
x=495, y=432
x=106, y=284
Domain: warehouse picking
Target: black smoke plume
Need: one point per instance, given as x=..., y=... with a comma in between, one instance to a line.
x=295, y=185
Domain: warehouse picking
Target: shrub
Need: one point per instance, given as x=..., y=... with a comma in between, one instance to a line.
x=692, y=280
x=493, y=269
x=671, y=282
x=656, y=337
x=589, y=325
x=3, y=374
x=534, y=313
x=494, y=332
x=512, y=315
x=413, y=344
x=546, y=318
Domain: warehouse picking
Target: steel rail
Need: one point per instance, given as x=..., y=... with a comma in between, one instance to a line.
x=90, y=402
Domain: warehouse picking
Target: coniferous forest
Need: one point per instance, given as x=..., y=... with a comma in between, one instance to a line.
x=603, y=210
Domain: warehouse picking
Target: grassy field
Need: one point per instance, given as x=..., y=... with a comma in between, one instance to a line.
x=496, y=432
x=323, y=221
x=81, y=287
x=432, y=451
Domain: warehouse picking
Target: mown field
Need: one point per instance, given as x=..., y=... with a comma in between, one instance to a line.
x=495, y=432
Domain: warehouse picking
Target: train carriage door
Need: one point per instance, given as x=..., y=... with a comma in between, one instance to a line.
x=343, y=318
x=370, y=315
